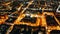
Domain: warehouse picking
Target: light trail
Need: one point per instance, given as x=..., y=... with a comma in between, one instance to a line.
x=56, y=20
x=11, y=27
x=48, y=28
x=18, y=19
x=18, y=9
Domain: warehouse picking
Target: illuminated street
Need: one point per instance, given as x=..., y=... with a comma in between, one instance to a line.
x=30, y=17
